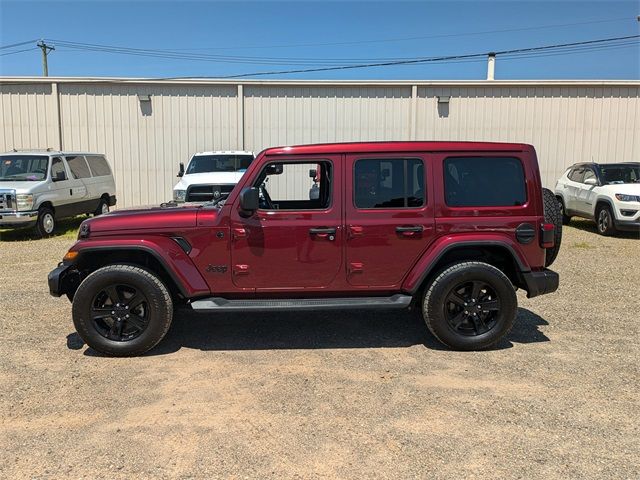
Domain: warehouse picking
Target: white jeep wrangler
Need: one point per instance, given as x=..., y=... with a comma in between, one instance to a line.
x=211, y=175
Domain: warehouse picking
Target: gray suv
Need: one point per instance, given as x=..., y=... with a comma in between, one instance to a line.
x=37, y=188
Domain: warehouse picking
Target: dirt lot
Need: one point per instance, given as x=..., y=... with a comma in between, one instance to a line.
x=343, y=395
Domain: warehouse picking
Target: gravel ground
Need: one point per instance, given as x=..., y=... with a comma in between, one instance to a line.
x=350, y=395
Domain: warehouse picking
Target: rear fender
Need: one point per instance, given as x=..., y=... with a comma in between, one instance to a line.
x=443, y=245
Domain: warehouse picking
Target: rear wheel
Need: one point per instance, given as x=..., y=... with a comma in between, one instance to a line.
x=122, y=310
x=563, y=211
x=103, y=207
x=470, y=306
x=46, y=222
x=604, y=220
x=552, y=214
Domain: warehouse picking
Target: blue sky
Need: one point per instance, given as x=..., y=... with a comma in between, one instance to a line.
x=285, y=29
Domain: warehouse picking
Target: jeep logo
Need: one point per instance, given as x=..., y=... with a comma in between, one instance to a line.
x=216, y=268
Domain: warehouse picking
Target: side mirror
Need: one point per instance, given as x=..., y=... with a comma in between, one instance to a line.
x=275, y=169
x=181, y=171
x=249, y=201
x=591, y=181
x=59, y=176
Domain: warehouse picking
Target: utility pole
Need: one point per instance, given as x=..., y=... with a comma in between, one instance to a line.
x=45, y=51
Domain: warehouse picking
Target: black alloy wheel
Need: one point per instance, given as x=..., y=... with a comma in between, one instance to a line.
x=471, y=308
x=120, y=312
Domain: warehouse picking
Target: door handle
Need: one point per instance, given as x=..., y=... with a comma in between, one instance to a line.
x=409, y=231
x=322, y=231
x=355, y=231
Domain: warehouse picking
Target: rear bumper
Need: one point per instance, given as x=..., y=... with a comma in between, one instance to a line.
x=541, y=282
x=18, y=219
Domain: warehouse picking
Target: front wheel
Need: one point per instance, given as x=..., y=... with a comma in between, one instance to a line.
x=470, y=306
x=46, y=223
x=604, y=221
x=122, y=310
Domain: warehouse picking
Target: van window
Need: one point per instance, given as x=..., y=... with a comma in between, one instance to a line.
x=99, y=165
x=58, y=171
x=389, y=183
x=78, y=166
x=484, y=182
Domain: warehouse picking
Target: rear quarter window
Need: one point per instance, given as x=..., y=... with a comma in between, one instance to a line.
x=99, y=165
x=484, y=182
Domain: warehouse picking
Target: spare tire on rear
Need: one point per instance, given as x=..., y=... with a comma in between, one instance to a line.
x=552, y=214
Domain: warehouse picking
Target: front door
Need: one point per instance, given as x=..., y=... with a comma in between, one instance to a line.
x=295, y=240
x=389, y=217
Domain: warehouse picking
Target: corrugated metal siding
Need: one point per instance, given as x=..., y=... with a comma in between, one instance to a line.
x=29, y=117
x=566, y=123
x=145, y=143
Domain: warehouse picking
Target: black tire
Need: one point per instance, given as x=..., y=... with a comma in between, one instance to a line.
x=114, y=327
x=604, y=220
x=496, y=293
x=46, y=223
x=552, y=214
x=103, y=207
x=566, y=219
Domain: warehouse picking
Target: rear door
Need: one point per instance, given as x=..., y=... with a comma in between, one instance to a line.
x=586, y=193
x=389, y=216
x=574, y=184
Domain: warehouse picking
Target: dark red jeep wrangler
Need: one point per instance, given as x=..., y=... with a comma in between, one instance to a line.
x=453, y=228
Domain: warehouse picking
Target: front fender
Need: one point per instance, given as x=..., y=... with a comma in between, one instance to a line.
x=164, y=249
x=441, y=246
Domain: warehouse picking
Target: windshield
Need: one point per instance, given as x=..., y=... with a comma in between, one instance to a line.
x=620, y=173
x=24, y=168
x=219, y=163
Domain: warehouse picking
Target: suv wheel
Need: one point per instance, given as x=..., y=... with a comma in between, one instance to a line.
x=470, y=306
x=46, y=223
x=103, y=207
x=563, y=211
x=122, y=310
x=604, y=221
x=552, y=214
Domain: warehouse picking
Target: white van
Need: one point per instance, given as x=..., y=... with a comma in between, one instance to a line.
x=37, y=188
x=211, y=175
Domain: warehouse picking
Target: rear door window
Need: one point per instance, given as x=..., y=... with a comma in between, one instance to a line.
x=484, y=182
x=389, y=183
x=78, y=166
x=576, y=174
x=99, y=165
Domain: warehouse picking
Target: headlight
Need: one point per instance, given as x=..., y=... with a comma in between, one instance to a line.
x=179, y=195
x=24, y=201
x=627, y=198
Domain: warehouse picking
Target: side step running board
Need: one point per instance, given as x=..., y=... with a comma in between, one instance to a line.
x=222, y=304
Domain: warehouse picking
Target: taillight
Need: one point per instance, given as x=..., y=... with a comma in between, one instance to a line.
x=547, y=237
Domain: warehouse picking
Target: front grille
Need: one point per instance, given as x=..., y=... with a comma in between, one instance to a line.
x=7, y=201
x=206, y=193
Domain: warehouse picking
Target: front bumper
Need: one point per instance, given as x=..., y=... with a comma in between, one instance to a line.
x=18, y=219
x=64, y=279
x=541, y=282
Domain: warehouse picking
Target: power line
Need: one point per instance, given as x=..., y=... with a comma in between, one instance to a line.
x=2, y=47
x=18, y=51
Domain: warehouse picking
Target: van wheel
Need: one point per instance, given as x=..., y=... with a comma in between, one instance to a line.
x=122, y=310
x=470, y=306
x=103, y=207
x=46, y=223
x=552, y=214
x=604, y=221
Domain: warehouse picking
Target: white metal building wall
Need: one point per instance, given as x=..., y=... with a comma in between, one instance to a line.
x=567, y=121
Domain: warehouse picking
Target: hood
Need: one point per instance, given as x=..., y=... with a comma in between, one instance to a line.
x=209, y=178
x=145, y=218
x=626, y=188
x=20, y=187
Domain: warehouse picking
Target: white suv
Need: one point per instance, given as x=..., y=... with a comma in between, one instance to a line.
x=37, y=188
x=211, y=175
x=608, y=193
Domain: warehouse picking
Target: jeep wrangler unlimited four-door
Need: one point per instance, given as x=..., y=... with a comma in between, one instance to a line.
x=452, y=228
